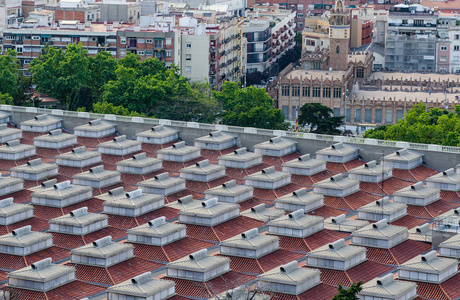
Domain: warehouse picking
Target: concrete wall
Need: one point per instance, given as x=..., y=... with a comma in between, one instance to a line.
x=438, y=160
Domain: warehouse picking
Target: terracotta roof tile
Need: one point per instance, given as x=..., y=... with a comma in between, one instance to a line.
x=221, y=283
x=134, y=179
x=337, y=203
x=116, y=273
x=48, y=153
x=249, y=203
x=324, y=237
x=335, y=167
x=108, y=159
x=263, y=264
x=382, y=256
x=170, y=252
x=418, y=211
x=72, y=291
x=176, y=196
x=176, y=166
x=12, y=262
x=235, y=173
x=69, y=171
x=47, y=213
x=301, y=180
x=3, y=276
x=326, y=212
x=451, y=286
x=439, y=207
x=152, y=149
x=431, y=291
x=390, y=186
x=335, y=277
x=223, y=231
x=56, y=253
x=213, y=155
x=265, y=194
x=278, y=161
x=358, y=199
x=6, y=165
x=122, y=222
x=404, y=175
x=190, y=288
x=450, y=196
x=36, y=223
x=321, y=291
x=409, y=221
x=408, y=250
x=168, y=212
x=293, y=244
x=367, y=271
x=422, y=172
x=69, y=241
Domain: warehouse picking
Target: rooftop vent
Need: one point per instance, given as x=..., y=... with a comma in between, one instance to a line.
x=300, y=192
x=290, y=267
x=98, y=169
x=270, y=170
x=276, y=139
x=250, y=234
x=297, y=214
x=337, y=146
x=6, y=202
x=215, y=133
x=34, y=162
x=143, y=278
x=79, y=150
x=157, y=222
x=62, y=185
x=209, y=203
x=116, y=192
x=134, y=194
x=22, y=231
x=402, y=152
x=240, y=151
x=179, y=145
x=199, y=255
x=95, y=122
x=185, y=199
x=158, y=128
x=41, y=117
x=103, y=242
x=42, y=264
x=229, y=184
x=79, y=212
x=162, y=176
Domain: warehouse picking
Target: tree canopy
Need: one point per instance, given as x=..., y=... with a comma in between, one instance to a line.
x=433, y=126
x=350, y=293
x=319, y=119
x=251, y=107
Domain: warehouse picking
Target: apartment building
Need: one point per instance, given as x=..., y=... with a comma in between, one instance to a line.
x=212, y=52
x=10, y=12
x=411, y=39
x=77, y=10
x=270, y=34
x=448, y=43
x=30, y=37
x=362, y=21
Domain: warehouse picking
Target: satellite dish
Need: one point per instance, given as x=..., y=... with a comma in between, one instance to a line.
x=330, y=69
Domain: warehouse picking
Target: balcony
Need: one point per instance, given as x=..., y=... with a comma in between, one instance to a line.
x=412, y=25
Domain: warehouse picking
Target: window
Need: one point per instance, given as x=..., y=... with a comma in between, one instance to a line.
x=140, y=41
x=443, y=58
x=27, y=61
x=404, y=21
x=9, y=37
x=188, y=57
x=336, y=111
x=188, y=45
x=359, y=73
x=305, y=91
x=316, y=91
x=389, y=116
x=317, y=65
x=158, y=43
x=337, y=50
x=168, y=42
x=348, y=115
x=456, y=58
x=456, y=48
x=188, y=69
x=326, y=92
x=378, y=116
x=36, y=38
x=18, y=49
x=368, y=115
x=300, y=16
x=457, y=36
x=299, y=6
x=443, y=48
x=285, y=90
x=295, y=91
x=294, y=112
x=123, y=41
x=149, y=41
x=399, y=114
x=358, y=115
x=168, y=53
x=337, y=92
x=285, y=110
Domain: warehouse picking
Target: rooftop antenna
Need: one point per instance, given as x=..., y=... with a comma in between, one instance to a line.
x=383, y=181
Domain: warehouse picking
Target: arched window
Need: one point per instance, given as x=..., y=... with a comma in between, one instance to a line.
x=337, y=49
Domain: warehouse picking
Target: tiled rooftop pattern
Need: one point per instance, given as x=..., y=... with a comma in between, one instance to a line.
x=93, y=280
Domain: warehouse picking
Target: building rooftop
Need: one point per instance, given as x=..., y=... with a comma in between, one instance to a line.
x=23, y=237
x=289, y=274
x=41, y=271
x=102, y=248
x=380, y=229
x=276, y=143
x=159, y=132
x=199, y=261
x=216, y=137
x=79, y=154
x=15, y=146
x=157, y=228
x=336, y=182
x=41, y=120
x=250, y=240
x=387, y=287
x=210, y=208
x=142, y=286
x=304, y=161
x=202, y=168
x=370, y=168
x=428, y=262
x=296, y=219
x=403, y=155
x=62, y=190
x=95, y=125
x=384, y=206
x=448, y=176
x=79, y=217
x=417, y=190
x=337, y=250
x=269, y=175
x=339, y=149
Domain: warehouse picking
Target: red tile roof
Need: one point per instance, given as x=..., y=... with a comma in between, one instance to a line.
x=327, y=212
x=337, y=203
x=271, y=195
x=308, y=181
x=450, y=196
x=168, y=212
x=46, y=212
x=36, y=223
x=14, y=262
x=358, y=199
x=249, y=203
x=170, y=252
x=399, y=254
x=409, y=221
x=294, y=244
x=122, y=222
x=345, y=167
x=211, y=288
x=223, y=231
x=321, y=291
x=74, y=241
x=48, y=153
x=448, y=290
x=213, y=155
x=116, y=273
x=152, y=149
x=404, y=175
x=92, y=142
x=388, y=187
x=278, y=161
x=431, y=211
x=324, y=237
x=176, y=196
x=422, y=172
x=241, y=173
x=171, y=166
x=73, y=291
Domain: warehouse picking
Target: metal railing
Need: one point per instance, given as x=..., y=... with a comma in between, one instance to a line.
x=234, y=129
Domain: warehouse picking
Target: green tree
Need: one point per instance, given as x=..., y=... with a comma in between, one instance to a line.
x=109, y=108
x=71, y=75
x=319, y=118
x=433, y=126
x=251, y=107
x=6, y=99
x=150, y=87
x=350, y=293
